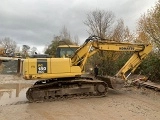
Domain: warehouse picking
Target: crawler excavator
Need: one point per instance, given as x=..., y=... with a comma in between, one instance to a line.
x=58, y=78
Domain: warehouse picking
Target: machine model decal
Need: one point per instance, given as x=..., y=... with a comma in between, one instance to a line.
x=126, y=48
x=41, y=65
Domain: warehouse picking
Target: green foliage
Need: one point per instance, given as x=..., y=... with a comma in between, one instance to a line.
x=63, y=39
x=148, y=29
x=151, y=67
x=149, y=24
x=109, y=62
x=51, y=50
x=123, y=58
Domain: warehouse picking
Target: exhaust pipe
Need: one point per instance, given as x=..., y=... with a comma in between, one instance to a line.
x=20, y=67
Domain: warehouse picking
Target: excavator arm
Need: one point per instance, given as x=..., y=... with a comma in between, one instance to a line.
x=134, y=61
x=94, y=44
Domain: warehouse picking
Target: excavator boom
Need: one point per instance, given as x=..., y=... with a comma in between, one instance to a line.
x=91, y=46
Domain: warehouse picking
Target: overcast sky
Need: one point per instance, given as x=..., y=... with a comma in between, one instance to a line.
x=35, y=22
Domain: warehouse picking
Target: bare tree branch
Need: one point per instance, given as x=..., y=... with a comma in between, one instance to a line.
x=8, y=44
x=99, y=22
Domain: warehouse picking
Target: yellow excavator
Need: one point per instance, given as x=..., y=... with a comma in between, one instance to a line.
x=59, y=78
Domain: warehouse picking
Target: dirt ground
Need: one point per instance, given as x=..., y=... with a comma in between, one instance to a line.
x=127, y=104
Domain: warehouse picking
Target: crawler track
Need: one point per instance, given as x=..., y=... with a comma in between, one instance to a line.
x=57, y=89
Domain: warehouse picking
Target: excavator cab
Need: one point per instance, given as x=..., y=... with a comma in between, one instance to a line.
x=66, y=51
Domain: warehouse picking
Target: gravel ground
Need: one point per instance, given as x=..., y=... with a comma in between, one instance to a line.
x=127, y=104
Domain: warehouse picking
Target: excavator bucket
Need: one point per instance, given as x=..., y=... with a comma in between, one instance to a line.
x=113, y=82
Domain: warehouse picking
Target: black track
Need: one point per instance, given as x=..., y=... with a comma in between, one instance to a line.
x=64, y=88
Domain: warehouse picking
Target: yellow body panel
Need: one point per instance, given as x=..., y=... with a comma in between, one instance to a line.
x=32, y=66
x=75, y=69
x=60, y=65
x=43, y=68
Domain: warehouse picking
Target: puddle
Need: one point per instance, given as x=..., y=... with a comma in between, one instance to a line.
x=13, y=93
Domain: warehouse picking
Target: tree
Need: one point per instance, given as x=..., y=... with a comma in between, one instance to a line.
x=76, y=40
x=150, y=67
x=102, y=23
x=99, y=22
x=121, y=32
x=9, y=45
x=66, y=37
x=65, y=34
x=63, y=39
x=142, y=37
x=25, y=50
x=18, y=49
x=149, y=25
x=51, y=49
x=149, y=32
x=33, y=50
